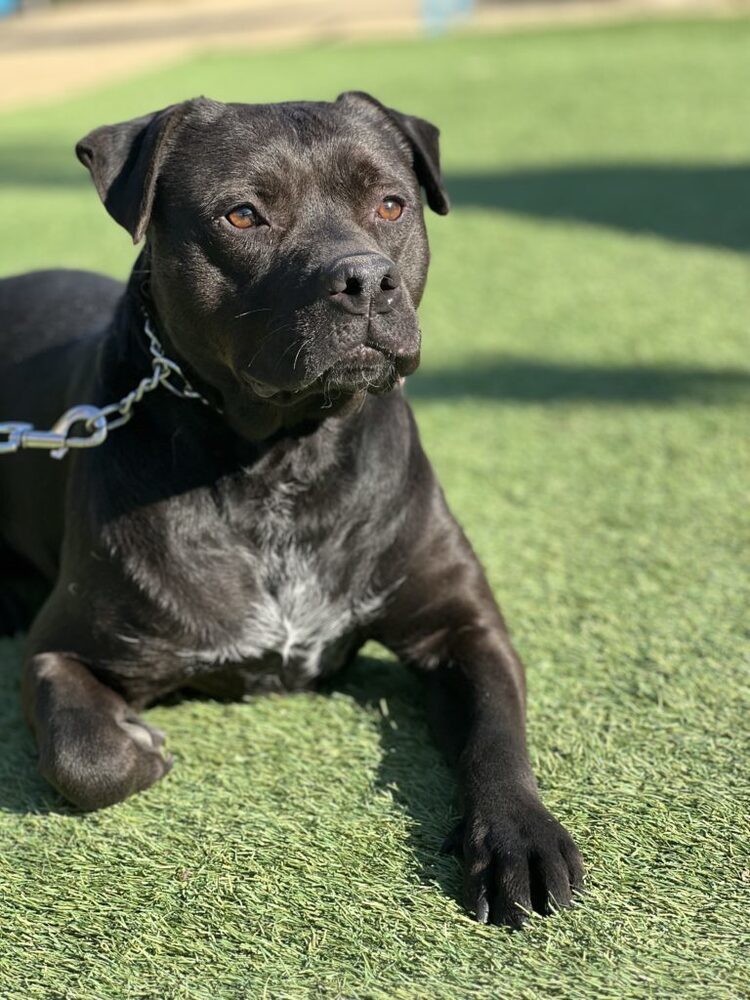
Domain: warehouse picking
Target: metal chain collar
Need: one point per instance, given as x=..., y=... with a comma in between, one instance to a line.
x=99, y=421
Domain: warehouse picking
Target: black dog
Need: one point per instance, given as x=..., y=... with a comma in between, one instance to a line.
x=254, y=535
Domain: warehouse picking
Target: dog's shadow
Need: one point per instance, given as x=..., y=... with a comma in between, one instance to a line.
x=22, y=789
x=412, y=770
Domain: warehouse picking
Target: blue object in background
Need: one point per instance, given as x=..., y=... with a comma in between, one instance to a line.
x=8, y=6
x=438, y=14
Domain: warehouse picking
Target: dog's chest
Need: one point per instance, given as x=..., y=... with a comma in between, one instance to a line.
x=286, y=605
x=294, y=624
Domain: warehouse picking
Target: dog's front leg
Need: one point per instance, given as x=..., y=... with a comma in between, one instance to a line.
x=92, y=747
x=517, y=857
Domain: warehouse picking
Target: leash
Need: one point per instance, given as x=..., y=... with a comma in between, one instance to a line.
x=99, y=421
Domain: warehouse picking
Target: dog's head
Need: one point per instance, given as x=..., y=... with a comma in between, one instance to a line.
x=286, y=242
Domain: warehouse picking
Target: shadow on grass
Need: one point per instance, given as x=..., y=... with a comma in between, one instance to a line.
x=527, y=380
x=688, y=203
x=22, y=788
x=697, y=203
x=412, y=769
x=42, y=165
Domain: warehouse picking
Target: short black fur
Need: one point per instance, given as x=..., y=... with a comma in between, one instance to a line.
x=256, y=542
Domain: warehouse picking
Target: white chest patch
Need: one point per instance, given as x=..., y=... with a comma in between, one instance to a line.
x=292, y=614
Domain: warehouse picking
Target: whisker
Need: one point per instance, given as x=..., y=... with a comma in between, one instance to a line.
x=286, y=350
x=249, y=312
x=296, y=356
x=272, y=331
x=260, y=347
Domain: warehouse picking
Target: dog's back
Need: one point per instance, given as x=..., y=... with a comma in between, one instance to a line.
x=44, y=311
x=47, y=319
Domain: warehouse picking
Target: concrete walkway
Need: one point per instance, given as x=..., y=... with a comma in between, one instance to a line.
x=52, y=52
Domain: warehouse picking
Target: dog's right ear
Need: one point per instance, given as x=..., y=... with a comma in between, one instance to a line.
x=124, y=162
x=423, y=139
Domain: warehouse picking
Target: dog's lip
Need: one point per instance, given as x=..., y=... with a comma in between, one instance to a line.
x=359, y=358
x=273, y=394
x=262, y=389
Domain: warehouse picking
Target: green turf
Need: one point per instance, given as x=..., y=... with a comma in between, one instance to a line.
x=584, y=397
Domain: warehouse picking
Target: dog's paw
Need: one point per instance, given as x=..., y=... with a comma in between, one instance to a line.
x=516, y=862
x=98, y=760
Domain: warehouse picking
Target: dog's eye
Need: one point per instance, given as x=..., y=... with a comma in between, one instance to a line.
x=243, y=217
x=390, y=208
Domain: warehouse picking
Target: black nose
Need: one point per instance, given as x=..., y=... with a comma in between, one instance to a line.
x=362, y=283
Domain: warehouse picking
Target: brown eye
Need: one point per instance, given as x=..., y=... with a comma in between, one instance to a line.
x=390, y=209
x=243, y=217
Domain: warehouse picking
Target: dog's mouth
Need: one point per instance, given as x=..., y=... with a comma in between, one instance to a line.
x=364, y=368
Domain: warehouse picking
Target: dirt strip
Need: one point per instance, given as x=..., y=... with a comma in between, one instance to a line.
x=54, y=52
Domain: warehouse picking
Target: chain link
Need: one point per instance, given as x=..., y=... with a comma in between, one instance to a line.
x=99, y=421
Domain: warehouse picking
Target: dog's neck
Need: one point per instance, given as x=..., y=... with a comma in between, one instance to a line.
x=126, y=359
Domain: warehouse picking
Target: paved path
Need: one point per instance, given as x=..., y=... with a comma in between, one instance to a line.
x=53, y=52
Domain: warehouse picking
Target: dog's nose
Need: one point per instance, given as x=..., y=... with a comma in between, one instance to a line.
x=362, y=283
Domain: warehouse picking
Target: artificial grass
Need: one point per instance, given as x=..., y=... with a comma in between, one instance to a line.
x=584, y=397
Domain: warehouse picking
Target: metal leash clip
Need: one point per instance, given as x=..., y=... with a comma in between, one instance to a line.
x=13, y=435
x=98, y=422
x=58, y=439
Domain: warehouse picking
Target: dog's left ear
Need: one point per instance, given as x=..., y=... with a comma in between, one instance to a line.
x=124, y=162
x=423, y=138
